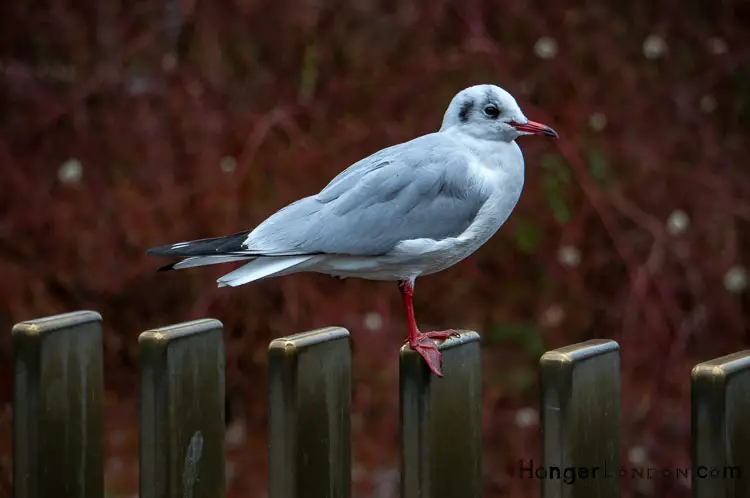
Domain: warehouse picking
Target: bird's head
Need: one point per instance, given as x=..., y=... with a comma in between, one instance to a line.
x=489, y=112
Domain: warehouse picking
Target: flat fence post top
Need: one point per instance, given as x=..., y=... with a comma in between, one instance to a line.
x=309, y=436
x=162, y=337
x=58, y=407
x=441, y=424
x=312, y=340
x=580, y=415
x=181, y=411
x=720, y=418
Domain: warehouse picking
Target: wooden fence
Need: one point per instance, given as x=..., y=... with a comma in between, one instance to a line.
x=58, y=410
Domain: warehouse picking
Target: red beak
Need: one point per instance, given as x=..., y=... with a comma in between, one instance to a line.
x=535, y=129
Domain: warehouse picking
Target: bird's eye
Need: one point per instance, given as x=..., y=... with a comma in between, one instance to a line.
x=491, y=111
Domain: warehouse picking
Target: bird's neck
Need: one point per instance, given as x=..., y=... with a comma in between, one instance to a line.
x=490, y=152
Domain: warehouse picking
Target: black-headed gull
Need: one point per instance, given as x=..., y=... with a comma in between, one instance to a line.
x=406, y=211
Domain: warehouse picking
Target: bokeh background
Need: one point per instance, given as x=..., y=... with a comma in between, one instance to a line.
x=125, y=125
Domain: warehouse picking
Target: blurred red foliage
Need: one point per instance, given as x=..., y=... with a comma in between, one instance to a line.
x=125, y=127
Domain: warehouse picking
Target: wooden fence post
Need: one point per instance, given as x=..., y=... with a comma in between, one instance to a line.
x=58, y=407
x=580, y=415
x=720, y=418
x=441, y=424
x=309, y=384
x=181, y=410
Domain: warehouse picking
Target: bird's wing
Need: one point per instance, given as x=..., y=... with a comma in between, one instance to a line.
x=418, y=189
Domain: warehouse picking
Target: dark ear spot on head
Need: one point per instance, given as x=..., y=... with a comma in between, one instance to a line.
x=463, y=114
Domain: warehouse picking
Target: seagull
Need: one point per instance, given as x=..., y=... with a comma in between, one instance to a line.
x=409, y=210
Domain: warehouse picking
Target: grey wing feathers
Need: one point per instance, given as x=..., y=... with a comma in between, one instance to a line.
x=420, y=189
x=347, y=178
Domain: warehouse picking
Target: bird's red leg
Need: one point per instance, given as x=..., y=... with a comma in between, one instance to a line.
x=420, y=342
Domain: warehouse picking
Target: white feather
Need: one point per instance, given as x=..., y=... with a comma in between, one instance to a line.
x=207, y=260
x=261, y=268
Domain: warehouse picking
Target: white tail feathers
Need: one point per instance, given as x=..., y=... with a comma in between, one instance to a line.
x=207, y=260
x=261, y=268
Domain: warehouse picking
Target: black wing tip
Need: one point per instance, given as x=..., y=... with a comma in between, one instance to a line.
x=162, y=251
x=201, y=247
x=166, y=267
x=159, y=251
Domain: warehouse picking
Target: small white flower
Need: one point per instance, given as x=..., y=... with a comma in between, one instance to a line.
x=236, y=433
x=569, y=256
x=373, y=320
x=717, y=46
x=194, y=89
x=545, y=48
x=527, y=417
x=677, y=222
x=168, y=62
x=654, y=47
x=71, y=171
x=708, y=103
x=138, y=85
x=735, y=279
x=637, y=455
x=597, y=121
x=228, y=164
x=552, y=316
